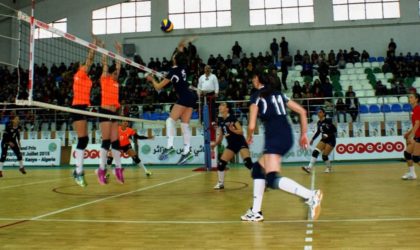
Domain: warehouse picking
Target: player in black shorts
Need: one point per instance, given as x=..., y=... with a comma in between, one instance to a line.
x=11, y=137
x=270, y=106
x=183, y=108
x=328, y=131
x=230, y=128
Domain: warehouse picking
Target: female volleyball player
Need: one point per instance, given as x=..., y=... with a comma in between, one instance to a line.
x=81, y=100
x=271, y=106
x=412, y=153
x=326, y=128
x=230, y=128
x=124, y=134
x=11, y=137
x=183, y=108
x=109, y=127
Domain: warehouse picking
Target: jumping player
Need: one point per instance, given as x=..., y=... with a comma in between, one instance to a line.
x=412, y=153
x=183, y=108
x=230, y=128
x=11, y=137
x=81, y=100
x=109, y=127
x=125, y=133
x=326, y=128
x=271, y=105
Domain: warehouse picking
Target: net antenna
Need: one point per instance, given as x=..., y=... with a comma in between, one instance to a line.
x=57, y=33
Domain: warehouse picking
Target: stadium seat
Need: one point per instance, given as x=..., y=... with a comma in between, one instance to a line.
x=163, y=116
x=396, y=108
x=370, y=93
x=344, y=77
x=375, y=64
x=194, y=115
x=367, y=65
x=385, y=108
x=381, y=59
x=372, y=59
x=391, y=99
x=146, y=116
x=358, y=65
x=406, y=107
x=403, y=99
x=363, y=109
x=374, y=108
x=154, y=116
x=349, y=65
x=298, y=68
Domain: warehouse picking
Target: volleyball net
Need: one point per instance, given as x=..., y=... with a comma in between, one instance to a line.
x=46, y=60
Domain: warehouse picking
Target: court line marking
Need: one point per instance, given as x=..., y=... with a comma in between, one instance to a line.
x=111, y=197
x=46, y=181
x=414, y=219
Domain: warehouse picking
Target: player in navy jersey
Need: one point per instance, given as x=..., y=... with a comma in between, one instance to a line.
x=270, y=106
x=183, y=108
x=328, y=131
x=230, y=128
x=11, y=137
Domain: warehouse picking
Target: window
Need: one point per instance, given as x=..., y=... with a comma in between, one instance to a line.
x=59, y=24
x=188, y=14
x=268, y=12
x=365, y=9
x=131, y=16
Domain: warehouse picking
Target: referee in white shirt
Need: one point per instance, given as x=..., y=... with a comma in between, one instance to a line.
x=208, y=86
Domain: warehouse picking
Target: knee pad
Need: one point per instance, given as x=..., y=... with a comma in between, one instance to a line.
x=136, y=159
x=248, y=162
x=273, y=180
x=257, y=171
x=221, y=165
x=109, y=160
x=106, y=144
x=416, y=158
x=82, y=142
x=407, y=156
x=315, y=153
x=325, y=157
x=115, y=145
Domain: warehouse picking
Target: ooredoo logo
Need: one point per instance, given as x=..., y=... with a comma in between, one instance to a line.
x=370, y=147
x=94, y=154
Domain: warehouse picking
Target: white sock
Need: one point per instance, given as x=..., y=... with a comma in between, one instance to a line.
x=1, y=166
x=313, y=159
x=170, y=132
x=328, y=163
x=186, y=132
x=221, y=175
x=293, y=187
x=103, y=158
x=79, y=160
x=20, y=164
x=411, y=168
x=116, y=154
x=259, y=187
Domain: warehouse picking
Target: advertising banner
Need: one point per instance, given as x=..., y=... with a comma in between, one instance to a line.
x=369, y=148
x=37, y=153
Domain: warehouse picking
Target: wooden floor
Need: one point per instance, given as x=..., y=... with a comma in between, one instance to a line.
x=366, y=206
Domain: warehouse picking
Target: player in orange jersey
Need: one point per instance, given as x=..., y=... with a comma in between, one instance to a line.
x=125, y=133
x=81, y=100
x=109, y=127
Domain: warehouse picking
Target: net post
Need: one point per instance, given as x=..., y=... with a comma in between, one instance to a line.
x=207, y=149
x=31, y=52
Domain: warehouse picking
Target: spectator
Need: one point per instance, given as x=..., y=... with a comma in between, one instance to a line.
x=284, y=73
x=274, y=47
x=323, y=70
x=380, y=89
x=327, y=89
x=297, y=89
x=276, y=80
x=392, y=47
x=350, y=91
x=352, y=103
x=365, y=56
x=236, y=50
x=284, y=47
x=298, y=58
x=340, y=108
x=354, y=55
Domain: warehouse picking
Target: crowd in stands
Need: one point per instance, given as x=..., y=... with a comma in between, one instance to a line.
x=234, y=72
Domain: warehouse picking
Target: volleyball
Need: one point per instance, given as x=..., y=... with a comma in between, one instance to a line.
x=166, y=25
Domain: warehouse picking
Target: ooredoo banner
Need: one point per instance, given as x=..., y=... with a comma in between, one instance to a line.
x=92, y=155
x=364, y=148
x=37, y=153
